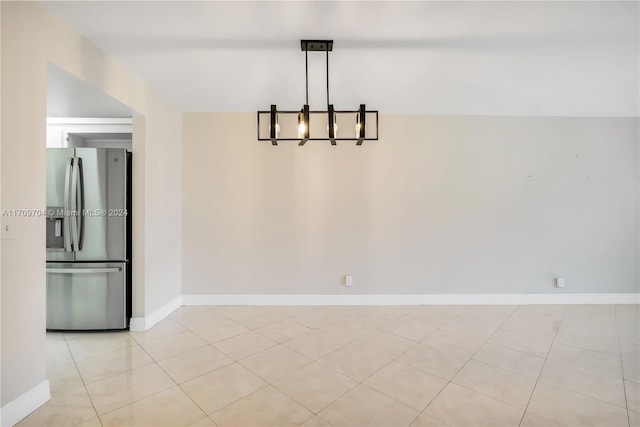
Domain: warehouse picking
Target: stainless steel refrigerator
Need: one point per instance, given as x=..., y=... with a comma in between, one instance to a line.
x=88, y=238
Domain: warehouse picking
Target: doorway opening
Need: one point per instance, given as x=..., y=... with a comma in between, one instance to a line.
x=89, y=203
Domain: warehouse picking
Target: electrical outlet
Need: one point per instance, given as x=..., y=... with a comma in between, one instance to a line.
x=559, y=282
x=348, y=280
x=6, y=230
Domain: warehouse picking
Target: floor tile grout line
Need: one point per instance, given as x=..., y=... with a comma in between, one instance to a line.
x=614, y=356
x=346, y=343
x=285, y=318
x=589, y=396
x=482, y=362
x=133, y=402
x=184, y=391
x=306, y=355
x=579, y=392
x=448, y=380
x=84, y=385
x=392, y=397
x=483, y=344
x=217, y=369
x=422, y=370
x=298, y=402
x=505, y=369
x=592, y=375
x=434, y=331
x=189, y=329
x=133, y=334
x=624, y=386
x=120, y=373
x=255, y=329
x=287, y=339
x=313, y=330
x=155, y=362
x=411, y=339
x=244, y=357
x=179, y=385
x=103, y=353
x=236, y=401
x=490, y=397
x=206, y=373
x=432, y=400
x=176, y=354
x=587, y=349
x=448, y=321
x=420, y=411
x=418, y=416
x=223, y=339
x=264, y=379
x=333, y=368
x=131, y=370
x=535, y=386
x=593, y=398
x=520, y=350
x=361, y=382
x=325, y=406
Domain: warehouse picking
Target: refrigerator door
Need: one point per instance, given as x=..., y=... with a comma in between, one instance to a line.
x=59, y=168
x=86, y=296
x=99, y=192
x=57, y=161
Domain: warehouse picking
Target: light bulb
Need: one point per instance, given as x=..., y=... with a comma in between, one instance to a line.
x=335, y=129
x=302, y=129
x=277, y=129
x=358, y=130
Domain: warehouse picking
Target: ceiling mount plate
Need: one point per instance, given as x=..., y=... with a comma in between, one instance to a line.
x=316, y=45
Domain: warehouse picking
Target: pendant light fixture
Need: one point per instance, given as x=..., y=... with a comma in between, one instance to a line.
x=363, y=131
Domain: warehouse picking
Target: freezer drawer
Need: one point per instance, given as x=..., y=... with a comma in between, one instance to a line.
x=86, y=296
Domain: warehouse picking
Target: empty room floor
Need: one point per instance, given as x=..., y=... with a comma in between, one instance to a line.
x=528, y=365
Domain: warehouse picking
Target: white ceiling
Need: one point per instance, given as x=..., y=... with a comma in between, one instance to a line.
x=480, y=57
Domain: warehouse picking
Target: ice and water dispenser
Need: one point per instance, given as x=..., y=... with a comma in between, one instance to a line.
x=55, y=230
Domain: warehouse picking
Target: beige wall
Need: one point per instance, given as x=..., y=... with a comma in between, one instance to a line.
x=31, y=37
x=438, y=205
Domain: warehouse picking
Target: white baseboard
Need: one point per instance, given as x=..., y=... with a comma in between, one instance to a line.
x=419, y=299
x=147, y=322
x=25, y=404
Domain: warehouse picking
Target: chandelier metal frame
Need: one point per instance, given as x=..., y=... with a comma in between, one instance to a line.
x=305, y=113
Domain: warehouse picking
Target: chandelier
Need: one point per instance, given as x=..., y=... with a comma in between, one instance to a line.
x=297, y=125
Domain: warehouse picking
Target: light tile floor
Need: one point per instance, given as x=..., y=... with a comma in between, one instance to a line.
x=353, y=366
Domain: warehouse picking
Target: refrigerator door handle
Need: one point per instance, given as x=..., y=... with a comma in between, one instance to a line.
x=80, y=198
x=67, y=207
x=91, y=270
x=74, y=204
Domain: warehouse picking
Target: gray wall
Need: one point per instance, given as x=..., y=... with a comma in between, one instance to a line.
x=438, y=205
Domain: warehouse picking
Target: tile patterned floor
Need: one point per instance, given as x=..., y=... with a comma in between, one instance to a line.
x=576, y=365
